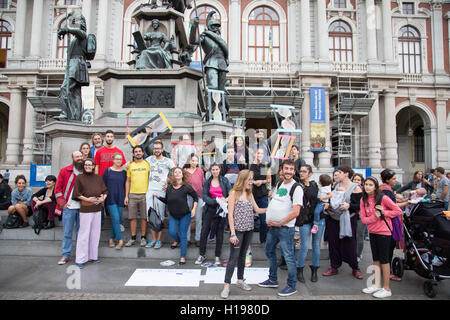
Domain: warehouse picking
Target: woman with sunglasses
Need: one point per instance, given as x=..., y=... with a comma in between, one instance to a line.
x=91, y=191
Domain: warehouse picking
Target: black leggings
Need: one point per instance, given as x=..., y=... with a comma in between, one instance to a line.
x=238, y=253
x=209, y=219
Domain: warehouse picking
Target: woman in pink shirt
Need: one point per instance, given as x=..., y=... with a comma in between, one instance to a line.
x=196, y=178
x=378, y=220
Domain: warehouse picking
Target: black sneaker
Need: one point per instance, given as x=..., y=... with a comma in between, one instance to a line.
x=25, y=224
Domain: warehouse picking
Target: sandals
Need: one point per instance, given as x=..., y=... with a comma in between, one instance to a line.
x=174, y=245
x=393, y=277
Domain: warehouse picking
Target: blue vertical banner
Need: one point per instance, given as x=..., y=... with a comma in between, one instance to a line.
x=318, y=123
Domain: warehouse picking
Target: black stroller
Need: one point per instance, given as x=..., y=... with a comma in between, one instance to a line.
x=427, y=245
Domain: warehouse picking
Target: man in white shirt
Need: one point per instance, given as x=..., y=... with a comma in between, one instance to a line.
x=281, y=214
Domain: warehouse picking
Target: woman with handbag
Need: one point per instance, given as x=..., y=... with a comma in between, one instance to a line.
x=216, y=187
x=90, y=189
x=180, y=214
x=377, y=211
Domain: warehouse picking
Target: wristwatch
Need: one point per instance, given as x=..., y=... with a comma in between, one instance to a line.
x=233, y=235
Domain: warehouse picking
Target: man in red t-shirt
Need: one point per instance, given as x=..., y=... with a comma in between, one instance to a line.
x=104, y=156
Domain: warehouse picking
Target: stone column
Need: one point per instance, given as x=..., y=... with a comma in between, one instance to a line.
x=438, y=35
x=29, y=130
x=36, y=28
x=322, y=30
x=371, y=31
x=87, y=12
x=305, y=27
x=325, y=156
x=374, y=135
x=306, y=154
x=14, y=126
x=387, y=31
x=19, y=34
x=390, y=131
x=292, y=31
x=442, y=147
x=235, y=29
x=102, y=27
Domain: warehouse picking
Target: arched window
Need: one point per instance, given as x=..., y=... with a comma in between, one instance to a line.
x=5, y=42
x=202, y=12
x=264, y=35
x=341, y=42
x=62, y=45
x=409, y=53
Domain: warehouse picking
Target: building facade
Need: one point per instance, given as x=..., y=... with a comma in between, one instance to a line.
x=384, y=66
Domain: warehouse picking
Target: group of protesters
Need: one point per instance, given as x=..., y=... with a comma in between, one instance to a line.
x=233, y=194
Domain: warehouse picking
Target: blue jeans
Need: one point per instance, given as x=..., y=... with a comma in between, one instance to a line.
x=305, y=236
x=115, y=212
x=70, y=218
x=262, y=202
x=284, y=237
x=182, y=238
x=317, y=211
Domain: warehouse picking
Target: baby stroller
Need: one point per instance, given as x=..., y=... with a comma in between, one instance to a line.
x=427, y=245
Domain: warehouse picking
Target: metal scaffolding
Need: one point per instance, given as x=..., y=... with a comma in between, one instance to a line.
x=353, y=101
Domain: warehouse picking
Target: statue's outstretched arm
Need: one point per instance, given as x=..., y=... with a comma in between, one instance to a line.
x=193, y=39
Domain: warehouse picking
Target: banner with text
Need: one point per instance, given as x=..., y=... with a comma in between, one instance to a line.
x=318, y=122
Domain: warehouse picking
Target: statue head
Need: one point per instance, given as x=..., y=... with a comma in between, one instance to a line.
x=155, y=23
x=76, y=20
x=212, y=24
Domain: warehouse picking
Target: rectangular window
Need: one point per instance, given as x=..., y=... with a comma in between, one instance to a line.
x=339, y=3
x=419, y=148
x=4, y=4
x=408, y=8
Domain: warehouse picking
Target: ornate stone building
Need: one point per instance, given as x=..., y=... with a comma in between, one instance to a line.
x=384, y=66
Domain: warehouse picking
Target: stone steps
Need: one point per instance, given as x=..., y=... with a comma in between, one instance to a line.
x=24, y=242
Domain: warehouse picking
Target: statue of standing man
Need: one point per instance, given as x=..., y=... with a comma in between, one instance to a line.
x=216, y=52
x=81, y=48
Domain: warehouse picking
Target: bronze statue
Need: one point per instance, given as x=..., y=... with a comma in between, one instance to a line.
x=155, y=56
x=77, y=76
x=215, y=62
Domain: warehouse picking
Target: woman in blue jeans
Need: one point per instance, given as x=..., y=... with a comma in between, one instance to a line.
x=261, y=177
x=180, y=214
x=305, y=224
x=115, y=178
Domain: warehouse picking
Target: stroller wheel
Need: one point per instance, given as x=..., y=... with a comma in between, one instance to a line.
x=398, y=267
x=429, y=288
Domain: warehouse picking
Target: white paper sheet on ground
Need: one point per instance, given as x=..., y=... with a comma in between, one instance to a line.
x=251, y=275
x=165, y=278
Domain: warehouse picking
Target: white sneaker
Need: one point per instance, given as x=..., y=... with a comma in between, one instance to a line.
x=371, y=290
x=200, y=260
x=225, y=292
x=217, y=263
x=383, y=293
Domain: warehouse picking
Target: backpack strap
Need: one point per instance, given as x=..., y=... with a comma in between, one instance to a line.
x=291, y=193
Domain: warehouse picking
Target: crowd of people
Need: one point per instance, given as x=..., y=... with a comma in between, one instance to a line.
x=240, y=194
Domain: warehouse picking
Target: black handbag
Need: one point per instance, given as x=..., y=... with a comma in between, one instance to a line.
x=13, y=221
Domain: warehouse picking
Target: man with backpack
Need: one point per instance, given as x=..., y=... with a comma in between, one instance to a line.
x=281, y=215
